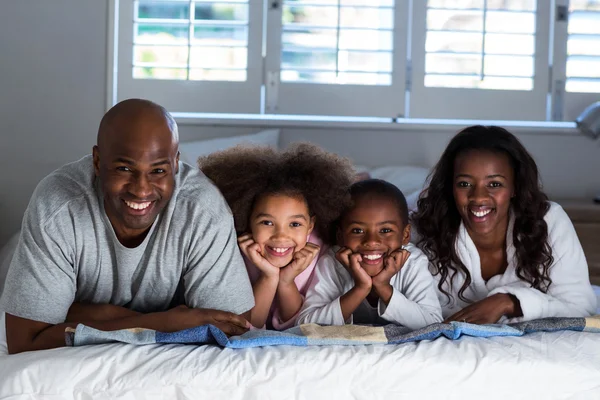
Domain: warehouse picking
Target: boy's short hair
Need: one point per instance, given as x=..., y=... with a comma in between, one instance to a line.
x=379, y=187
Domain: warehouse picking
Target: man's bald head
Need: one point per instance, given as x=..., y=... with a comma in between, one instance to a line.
x=118, y=122
x=136, y=160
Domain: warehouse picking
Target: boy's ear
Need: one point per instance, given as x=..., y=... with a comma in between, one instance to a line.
x=406, y=235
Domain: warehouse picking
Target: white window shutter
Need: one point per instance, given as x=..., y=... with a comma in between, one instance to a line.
x=580, y=55
x=191, y=56
x=480, y=59
x=336, y=57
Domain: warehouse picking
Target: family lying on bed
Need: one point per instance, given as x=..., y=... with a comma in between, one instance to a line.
x=130, y=237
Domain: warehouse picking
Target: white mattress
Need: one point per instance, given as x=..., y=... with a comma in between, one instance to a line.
x=560, y=365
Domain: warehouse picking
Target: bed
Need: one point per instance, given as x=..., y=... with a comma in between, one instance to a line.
x=552, y=365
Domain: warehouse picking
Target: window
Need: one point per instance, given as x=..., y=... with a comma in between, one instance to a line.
x=480, y=44
x=211, y=45
x=483, y=59
x=459, y=59
x=336, y=57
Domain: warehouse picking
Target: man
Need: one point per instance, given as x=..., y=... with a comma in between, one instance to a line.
x=112, y=239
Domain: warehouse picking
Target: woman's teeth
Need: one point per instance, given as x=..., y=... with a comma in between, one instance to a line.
x=480, y=214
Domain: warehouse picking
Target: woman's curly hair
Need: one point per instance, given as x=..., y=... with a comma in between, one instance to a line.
x=437, y=219
x=245, y=172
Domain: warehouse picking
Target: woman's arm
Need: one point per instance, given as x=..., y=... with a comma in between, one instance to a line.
x=570, y=294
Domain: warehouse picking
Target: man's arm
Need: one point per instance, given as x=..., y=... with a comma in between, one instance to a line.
x=26, y=335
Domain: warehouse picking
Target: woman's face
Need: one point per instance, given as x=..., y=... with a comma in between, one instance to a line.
x=483, y=187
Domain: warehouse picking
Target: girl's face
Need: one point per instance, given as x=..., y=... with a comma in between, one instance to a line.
x=280, y=224
x=483, y=187
x=374, y=228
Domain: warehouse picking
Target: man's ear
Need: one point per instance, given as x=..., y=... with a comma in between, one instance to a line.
x=96, y=157
x=406, y=235
x=177, y=163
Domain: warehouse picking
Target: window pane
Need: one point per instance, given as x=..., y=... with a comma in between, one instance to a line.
x=221, y=35
x=453, y=41
x=318, y=16
x=588, y=5
x=475, y=82
x=583, y=67
x=455, y=3
x=161, y=33
x=221, y=12
x=163, y=10
x=509, y=44
x=310, y=37
x=218, y=57
x=455, y=20
x=583, y=85
x=159, y=73
x=168, y=56
x=498, y=21
x=197, y=74
x=453, y=63
x=508, y=66
x=367, y=17
x=366, y=40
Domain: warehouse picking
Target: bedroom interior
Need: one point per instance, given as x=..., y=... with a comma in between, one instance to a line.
x=58, y=78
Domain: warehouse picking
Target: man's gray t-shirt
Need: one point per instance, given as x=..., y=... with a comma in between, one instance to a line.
x=68, y=251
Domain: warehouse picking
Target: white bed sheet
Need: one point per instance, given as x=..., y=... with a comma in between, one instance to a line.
x=560, y=365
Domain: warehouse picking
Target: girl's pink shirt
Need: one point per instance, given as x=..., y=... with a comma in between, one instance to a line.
x=302, y=282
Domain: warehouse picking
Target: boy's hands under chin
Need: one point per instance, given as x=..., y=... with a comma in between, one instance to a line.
x=392, y=264
x=300, y=261
x=252, y=250
x=351, y=261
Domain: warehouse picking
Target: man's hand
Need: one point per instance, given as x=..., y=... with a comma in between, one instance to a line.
x=300, y=261
x=392, y=264
x=488, y=310
x=352, y=263
x=183, y=317
x=252, y=250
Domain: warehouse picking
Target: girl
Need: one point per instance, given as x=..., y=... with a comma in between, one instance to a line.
x=283, y=204
x=378, y=277
x=498, y=248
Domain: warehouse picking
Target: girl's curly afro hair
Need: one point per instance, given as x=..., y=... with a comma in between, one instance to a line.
x=243, y=173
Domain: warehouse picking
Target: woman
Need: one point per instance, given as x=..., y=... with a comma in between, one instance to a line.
x=497, y=247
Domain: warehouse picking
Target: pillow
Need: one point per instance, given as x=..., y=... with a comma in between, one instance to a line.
x=191, y=151
x=411, y=180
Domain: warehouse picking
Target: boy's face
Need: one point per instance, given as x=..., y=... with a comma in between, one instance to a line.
x=374, y=228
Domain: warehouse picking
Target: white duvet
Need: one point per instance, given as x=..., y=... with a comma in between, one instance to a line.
x=560, y=365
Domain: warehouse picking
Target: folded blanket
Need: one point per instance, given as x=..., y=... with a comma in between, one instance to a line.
x=315, y=335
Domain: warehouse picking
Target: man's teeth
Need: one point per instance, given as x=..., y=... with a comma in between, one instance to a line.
x=138, y=206
x=480, y=214
x=280, y=249
x=372, y=256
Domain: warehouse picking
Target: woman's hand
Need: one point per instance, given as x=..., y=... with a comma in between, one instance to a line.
x=300, y=261
x=488, y=310
x=252, y=250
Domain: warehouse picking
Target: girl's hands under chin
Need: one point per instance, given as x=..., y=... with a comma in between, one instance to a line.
x=252, y=250
x=300, y=261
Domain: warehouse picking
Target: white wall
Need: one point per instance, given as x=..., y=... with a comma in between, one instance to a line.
x=52, y=97
x=52, y=92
